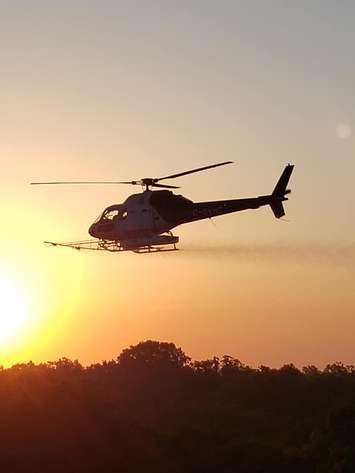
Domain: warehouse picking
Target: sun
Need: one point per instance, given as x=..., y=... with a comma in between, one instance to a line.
x=14, y=310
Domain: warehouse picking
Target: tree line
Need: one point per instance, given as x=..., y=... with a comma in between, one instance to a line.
x=153, y=409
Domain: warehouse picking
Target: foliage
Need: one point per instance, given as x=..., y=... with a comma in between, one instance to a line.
x=154, y=410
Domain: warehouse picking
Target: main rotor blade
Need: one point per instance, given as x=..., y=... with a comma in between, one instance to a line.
x=83, y=182
x=164, y=186
x=204, y=168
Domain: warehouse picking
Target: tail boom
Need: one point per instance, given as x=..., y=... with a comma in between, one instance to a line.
x=202, y=210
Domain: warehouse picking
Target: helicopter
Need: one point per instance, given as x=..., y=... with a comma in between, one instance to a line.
x=143, y=222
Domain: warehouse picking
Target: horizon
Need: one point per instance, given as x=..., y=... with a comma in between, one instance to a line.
x=191, y=362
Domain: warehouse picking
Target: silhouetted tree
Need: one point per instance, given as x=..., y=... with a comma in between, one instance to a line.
x=160, y=355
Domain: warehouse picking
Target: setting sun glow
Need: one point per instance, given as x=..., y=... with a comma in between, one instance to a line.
x=14, y=310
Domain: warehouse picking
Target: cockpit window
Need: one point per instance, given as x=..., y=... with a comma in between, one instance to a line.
x=112, y=213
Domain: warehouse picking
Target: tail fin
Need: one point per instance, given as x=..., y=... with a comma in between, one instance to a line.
x=280, y=191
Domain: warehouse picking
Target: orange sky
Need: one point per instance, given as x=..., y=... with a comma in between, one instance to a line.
x=120, y=92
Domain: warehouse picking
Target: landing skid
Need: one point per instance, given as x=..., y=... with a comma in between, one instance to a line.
x=111, y=246
x=153, y=249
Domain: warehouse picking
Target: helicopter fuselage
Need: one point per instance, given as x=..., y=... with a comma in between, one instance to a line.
x=144, y=216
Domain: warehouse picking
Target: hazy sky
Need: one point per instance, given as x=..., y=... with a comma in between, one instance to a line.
x=123, y=90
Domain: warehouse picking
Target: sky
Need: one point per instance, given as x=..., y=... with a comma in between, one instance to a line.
x=123, y=90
